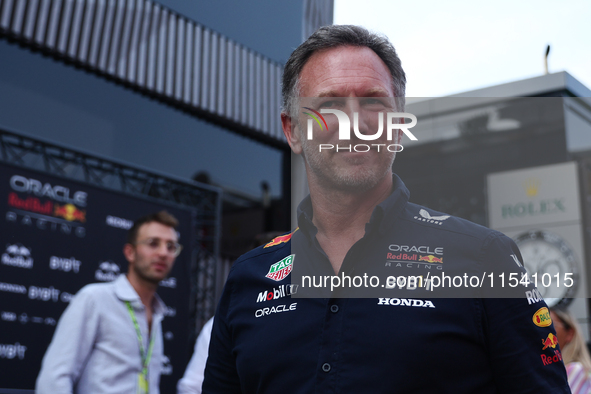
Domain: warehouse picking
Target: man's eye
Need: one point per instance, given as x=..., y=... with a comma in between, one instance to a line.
x=373, y=102
x=329, y=104
x=154, y=243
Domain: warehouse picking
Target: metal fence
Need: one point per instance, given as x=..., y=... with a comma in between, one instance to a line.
x=159, y=52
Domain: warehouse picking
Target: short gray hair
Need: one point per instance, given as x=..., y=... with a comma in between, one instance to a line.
x=335, y=36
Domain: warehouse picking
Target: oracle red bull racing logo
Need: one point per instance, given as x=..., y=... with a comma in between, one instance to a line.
x=47, y=206
x=550, y=341
x=281, y=269
x=419, y=256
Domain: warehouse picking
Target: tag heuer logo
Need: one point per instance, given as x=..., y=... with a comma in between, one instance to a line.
x=281, y=269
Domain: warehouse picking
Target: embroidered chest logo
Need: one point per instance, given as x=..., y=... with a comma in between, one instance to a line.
x=426, y=217
x=281, y=269
x=412, y=256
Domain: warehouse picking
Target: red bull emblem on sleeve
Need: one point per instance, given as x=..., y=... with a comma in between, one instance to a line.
x=551, y=341
x=281, y=269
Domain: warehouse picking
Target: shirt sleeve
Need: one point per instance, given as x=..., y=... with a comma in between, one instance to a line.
x=193, y=379
x=578, y=379
x=524, y=353
x=70, y=347
x=221, y=375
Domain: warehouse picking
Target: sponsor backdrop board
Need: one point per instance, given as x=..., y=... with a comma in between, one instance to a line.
x=56, y=236
x=540, y=209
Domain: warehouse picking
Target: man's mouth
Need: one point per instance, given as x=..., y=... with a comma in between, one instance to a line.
x=160, y=266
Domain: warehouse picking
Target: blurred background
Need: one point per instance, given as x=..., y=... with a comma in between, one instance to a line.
x=142, y=105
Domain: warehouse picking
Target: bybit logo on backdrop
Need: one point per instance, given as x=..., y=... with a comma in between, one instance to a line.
x=345, y=130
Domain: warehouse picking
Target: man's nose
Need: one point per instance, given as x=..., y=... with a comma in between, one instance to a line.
x=352, y=106
x=162, y=249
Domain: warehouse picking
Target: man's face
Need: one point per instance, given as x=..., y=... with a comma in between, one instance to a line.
x=150, y=258
x=349, y=79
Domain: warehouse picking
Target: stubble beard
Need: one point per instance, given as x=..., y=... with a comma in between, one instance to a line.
x=356, y=178
x=144, y=276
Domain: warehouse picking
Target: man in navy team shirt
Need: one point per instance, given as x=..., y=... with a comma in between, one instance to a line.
x=275, y=332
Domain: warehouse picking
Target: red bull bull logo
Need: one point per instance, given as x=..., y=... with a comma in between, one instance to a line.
x=69, y=212
x=281, y=269
x=280, y=239
x=431, y=259
x=551, y=341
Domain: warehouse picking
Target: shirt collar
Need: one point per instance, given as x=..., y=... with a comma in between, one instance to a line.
x=125, y=292
x=382, y=218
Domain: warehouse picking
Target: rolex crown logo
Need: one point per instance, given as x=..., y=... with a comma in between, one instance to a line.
x=531, y=187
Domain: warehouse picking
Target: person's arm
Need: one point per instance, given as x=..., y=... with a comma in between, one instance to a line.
x=578, y=379
x=70, y=347
x=193, y=379
x=521, y=357
x=221, y=374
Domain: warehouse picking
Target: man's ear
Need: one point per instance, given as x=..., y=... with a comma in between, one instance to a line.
x=291, y=133
x=129, y=252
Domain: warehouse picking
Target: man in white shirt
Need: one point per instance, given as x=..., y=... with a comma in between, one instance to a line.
x=109, y=339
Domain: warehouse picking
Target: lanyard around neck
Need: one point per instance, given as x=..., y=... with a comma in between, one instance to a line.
x=145, y=357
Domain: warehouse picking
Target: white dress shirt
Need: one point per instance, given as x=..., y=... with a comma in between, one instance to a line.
x=95, y=348
x=193, y=378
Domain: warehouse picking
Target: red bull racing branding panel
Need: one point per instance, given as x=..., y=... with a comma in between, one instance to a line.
x=281, y=269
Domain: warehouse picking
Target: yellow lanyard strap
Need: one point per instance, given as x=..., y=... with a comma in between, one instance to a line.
x=145, y=358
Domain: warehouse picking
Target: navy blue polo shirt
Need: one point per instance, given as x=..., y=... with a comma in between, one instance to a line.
x=269, y=337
